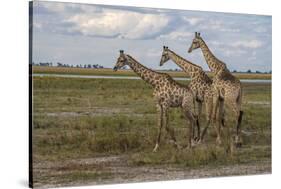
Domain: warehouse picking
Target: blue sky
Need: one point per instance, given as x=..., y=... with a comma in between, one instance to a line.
x=93, y=34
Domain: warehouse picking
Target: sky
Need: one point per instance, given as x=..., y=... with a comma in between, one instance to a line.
x=73, y=33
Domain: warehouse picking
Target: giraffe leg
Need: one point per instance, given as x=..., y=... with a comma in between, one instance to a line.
x=169, y=129
x=209, y=110
x=238, y=141
x=216, y=106
x=232, y=115
x=192, y=121
x=238, y=114
x=198, y=120
x=160, y=124
x=221, y=121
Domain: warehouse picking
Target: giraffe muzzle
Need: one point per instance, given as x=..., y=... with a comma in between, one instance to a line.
x=115, y=68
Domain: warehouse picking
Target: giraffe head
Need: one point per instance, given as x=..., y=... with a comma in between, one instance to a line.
x=165, y=56
x=195, y=43
x=121, y=61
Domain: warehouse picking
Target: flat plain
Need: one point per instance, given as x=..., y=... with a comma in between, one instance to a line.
x=110, y=72
x=101, y=131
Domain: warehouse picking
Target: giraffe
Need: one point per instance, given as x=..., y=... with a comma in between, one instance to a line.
x=226, y=87
x=200, y=84
x=167, y=93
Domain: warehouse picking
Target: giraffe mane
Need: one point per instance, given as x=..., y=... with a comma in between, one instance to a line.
x=142, y=64
x=186, y=60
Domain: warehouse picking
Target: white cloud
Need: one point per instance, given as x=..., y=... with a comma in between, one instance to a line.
x=176, y=35
x=230, y=30
x=235, y=38
x=154, y=53
x=212, y=25
x=193, y=20
x=215, y=43
x=252, y=58
x=248, y=44
x=218, y=25
x=231, y=53
x=261, y=29
x=126, y=24
x=55, y=7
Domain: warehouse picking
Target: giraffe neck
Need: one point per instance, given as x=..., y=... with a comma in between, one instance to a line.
x=190, y=68
x=145, y=73
x=213, y=62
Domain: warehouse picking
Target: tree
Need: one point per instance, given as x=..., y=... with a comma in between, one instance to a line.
x=249, y=71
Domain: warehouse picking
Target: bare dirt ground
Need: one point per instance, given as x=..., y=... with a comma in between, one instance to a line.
x=115, y=169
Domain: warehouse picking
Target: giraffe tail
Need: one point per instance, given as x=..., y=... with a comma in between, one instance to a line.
x=240, y=118
x=239, y=121
x=239, y=97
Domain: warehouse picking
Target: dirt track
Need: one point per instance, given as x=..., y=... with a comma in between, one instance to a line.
x=114, y=169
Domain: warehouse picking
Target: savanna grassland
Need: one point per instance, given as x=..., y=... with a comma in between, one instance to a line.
x=110, y=72
x=96, y=131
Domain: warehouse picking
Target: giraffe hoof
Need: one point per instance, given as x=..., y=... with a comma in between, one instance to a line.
x=188, y=147
x=196, y=139
x=193, y=144
x=177, y=146
x=155, y=148
x=238, y=144
x=218, y=141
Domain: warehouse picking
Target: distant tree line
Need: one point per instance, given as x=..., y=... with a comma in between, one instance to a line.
x=234, y=71
x=97, y=66
x=250, y=71
x=59, y=64
x=42, y=64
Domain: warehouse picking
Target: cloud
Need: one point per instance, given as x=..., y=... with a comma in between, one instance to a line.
x=261, y=29
x=124, y=24
x=192, y=20
x=215, y=43
x=56, y=7
x=154, y=52
x=248, y=44
x=143, y=30
x=176, y=35
x=98, y=21
x=232, y=53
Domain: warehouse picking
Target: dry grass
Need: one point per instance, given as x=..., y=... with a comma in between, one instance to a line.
x=87, y=118
x=110, y=72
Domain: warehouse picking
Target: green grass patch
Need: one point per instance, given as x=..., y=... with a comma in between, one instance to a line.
x=80, y=118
